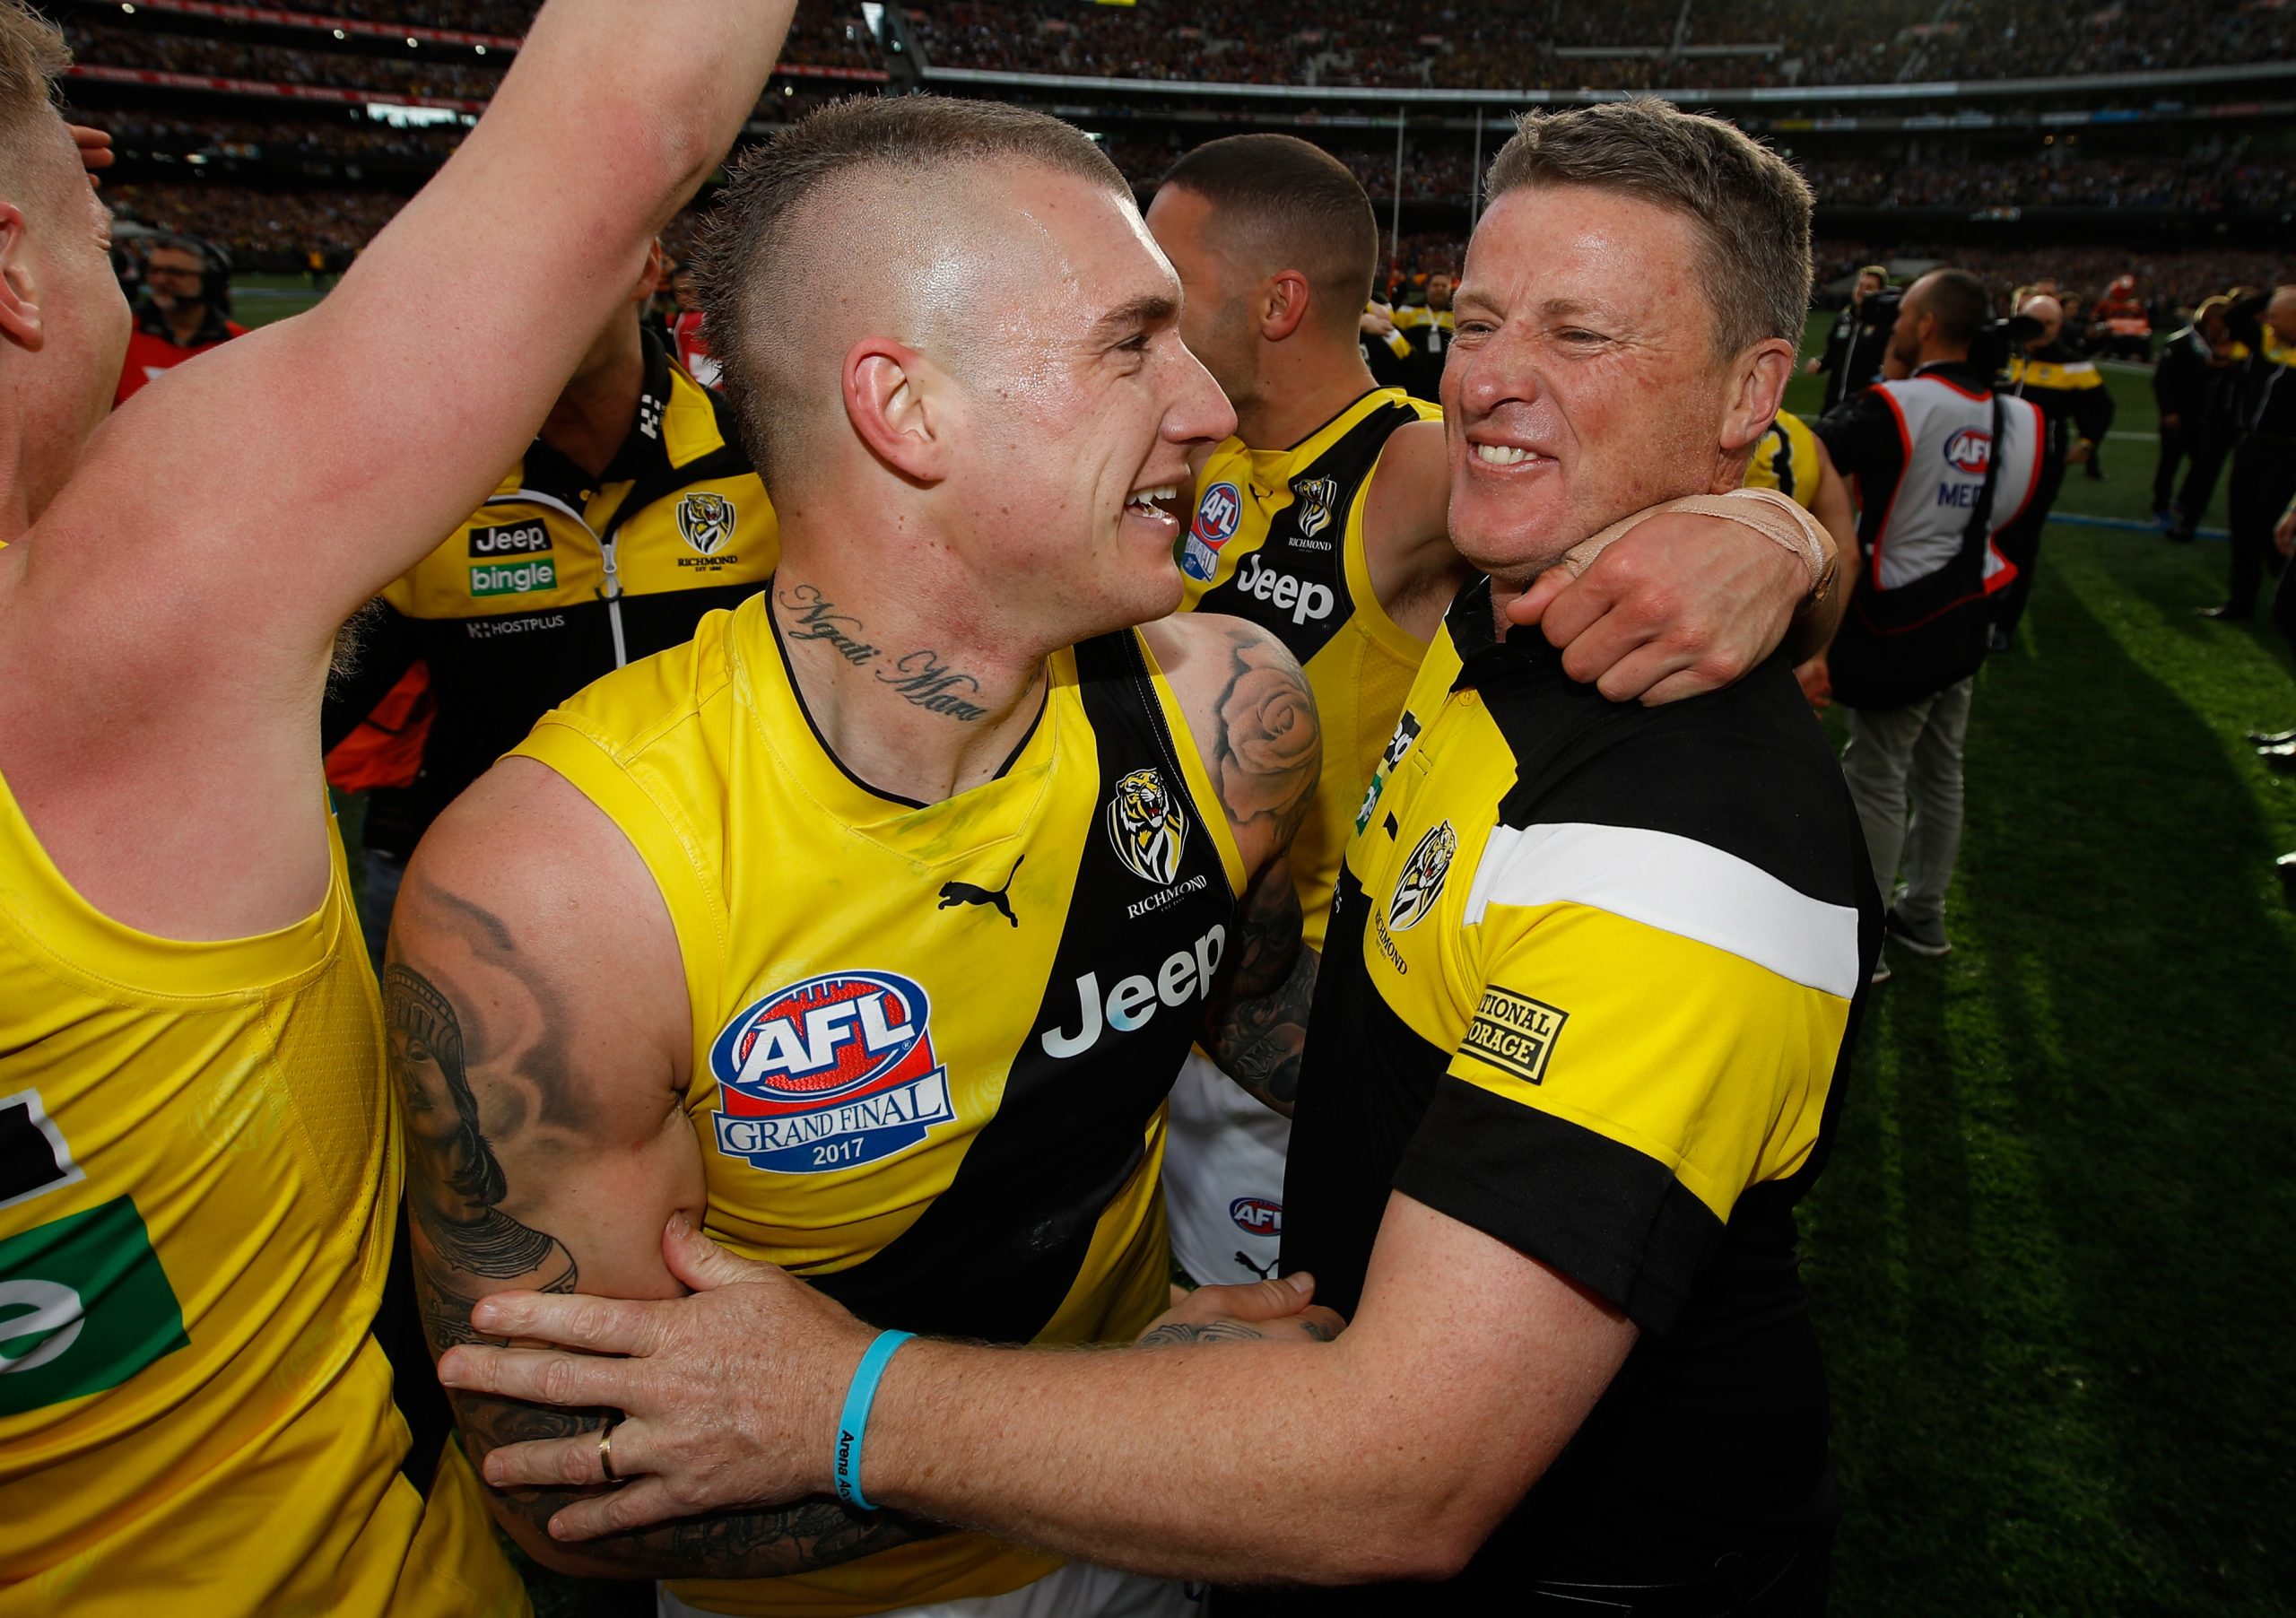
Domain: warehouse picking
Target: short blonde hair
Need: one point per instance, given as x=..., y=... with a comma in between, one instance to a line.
x=32, y=57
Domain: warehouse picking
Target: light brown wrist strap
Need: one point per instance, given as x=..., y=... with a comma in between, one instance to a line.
x=1766, y=512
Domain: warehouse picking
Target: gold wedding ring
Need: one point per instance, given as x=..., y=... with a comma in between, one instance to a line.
x=605, y=1451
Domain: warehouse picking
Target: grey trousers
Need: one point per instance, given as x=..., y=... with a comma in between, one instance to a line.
x=1908, y=760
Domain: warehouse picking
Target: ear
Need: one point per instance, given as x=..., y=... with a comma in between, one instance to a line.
x=900, y=404
x=649, y=278
x=1757, y=388
x=20, y=317
x=1284, y=305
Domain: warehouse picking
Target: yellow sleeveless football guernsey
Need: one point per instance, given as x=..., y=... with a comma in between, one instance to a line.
x=199, y=1191
x=1786, y=459
x=931, y=1042
x=1278, y=538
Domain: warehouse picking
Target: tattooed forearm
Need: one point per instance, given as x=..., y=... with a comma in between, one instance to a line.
x=1257, y=1025
x=917, y=677
x=736, y=1544
x=1269, y=748
x=1226, y=1331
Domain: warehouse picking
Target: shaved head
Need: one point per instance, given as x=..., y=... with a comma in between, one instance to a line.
x=1278, y=202
x=2049, y=311
x=878, y=199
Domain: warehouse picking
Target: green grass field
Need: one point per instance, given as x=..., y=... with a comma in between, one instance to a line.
x=2049, y=1259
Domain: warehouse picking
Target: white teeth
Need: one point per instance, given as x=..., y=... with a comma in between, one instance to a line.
x=1502, y=455
x=1147, y=500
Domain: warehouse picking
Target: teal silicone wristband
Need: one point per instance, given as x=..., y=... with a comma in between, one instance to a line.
x=854, y=1424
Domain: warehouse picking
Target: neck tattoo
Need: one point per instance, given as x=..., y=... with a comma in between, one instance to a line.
x=918, y=678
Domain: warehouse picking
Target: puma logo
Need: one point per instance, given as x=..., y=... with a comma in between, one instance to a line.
x=1262, y=1272
x=965, y=892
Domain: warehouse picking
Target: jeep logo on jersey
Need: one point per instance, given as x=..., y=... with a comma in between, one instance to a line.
x=705, y=520
x=1316, y=496
x=1969, y=450
x=1148, y=829
x=1219, y=513
x=1257, y=1216
x=511, y=539
x=831, y=1073
x=1422, y=881
x=1286, y=592
x=1185, y=976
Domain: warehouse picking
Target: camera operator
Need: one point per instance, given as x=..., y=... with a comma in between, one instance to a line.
x=2196, y=385
x=2263, y=465
x=1942, y=464
x=2078, y=407
x=185, y=310
x=1852, y=362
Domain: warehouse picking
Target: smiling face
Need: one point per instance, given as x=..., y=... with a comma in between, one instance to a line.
x=1583, y=382
x=1078, y=409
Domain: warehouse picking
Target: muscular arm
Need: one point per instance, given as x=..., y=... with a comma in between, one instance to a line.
x=172, y=607
x=1253, y=721
x=536, y=1018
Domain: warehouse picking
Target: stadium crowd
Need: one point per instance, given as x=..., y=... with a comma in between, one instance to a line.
x=1513, y=43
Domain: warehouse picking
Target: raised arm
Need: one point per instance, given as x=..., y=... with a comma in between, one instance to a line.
x=1254, y=720
x=537, y=1020
x=171, y=610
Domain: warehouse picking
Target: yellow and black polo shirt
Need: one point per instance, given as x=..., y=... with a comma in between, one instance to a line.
x=1590, y=986
x=561, y=577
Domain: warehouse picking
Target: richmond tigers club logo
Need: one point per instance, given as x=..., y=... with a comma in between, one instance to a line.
x=1317, y=496
x=1422, y=881
x=705, y=520
x=1147, y=827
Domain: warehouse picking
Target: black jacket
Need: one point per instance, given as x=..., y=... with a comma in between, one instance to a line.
x=1852, y=362
x=2267, y=393
x=2069, y=389
x=2202, y=397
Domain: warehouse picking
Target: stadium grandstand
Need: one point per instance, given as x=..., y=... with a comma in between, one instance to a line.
x=2156, y=142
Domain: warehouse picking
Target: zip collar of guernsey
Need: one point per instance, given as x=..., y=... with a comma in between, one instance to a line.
x=677, y=436
x=1482, y=656
x=1273, y=469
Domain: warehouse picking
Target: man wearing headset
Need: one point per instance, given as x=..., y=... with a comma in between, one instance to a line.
x=185, y=310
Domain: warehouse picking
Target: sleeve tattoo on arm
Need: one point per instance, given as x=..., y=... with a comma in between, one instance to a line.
x=1257, y=1030
x=1269, y=747
x=464, y=1245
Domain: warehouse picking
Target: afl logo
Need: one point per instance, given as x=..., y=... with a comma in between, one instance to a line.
x=1147, y=827
x=1219, y=513
x=706, y=521
x=1257, y=1216
x=1422, y=881
x=1969, y=450
x=833, y=1072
